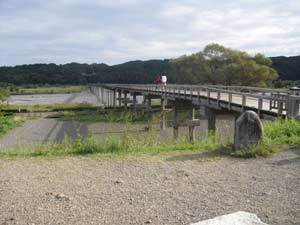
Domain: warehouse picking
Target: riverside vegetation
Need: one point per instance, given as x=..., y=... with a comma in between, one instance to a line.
x=9, y=122
x=278, y=133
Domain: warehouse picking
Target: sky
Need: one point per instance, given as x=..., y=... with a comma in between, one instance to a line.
x=116, y=31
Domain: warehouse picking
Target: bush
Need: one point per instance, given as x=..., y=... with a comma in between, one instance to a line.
x=282, y=131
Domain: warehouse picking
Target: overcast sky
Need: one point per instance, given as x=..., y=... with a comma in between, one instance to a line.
x=112, y=32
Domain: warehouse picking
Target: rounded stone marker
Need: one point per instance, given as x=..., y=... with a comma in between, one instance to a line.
x=248, y=131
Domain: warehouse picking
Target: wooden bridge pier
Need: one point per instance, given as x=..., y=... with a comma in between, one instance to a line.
x=149, y=111
x=175, y=122
x=211, y=99
x=211, y=119
x=134, y=102
x=163, y=103
x=190, y=122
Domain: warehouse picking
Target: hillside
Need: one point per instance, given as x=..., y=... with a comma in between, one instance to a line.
x=288, y=68
x=130, y=72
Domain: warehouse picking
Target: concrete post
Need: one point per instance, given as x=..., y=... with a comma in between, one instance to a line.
x=293, y=106
x=120, y=98
x=108, y=97
x=99, y=96
x=114, y=98
x=211, y=119
x=102, y=96
x=134, y=101
x=149, y=113
x=175, y=125
x=163, y=115
x=192, y=127
x=125, y=100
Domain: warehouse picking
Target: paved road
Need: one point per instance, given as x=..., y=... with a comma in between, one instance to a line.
x=39, y=131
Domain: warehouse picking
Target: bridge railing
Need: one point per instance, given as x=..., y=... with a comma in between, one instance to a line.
x=279, y=101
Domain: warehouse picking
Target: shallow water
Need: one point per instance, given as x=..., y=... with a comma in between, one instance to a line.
x=44, y=99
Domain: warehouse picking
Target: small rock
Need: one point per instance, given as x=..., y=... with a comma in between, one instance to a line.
x=148, y=221
x=62, y=197
x=238, y=218
x=119, y=181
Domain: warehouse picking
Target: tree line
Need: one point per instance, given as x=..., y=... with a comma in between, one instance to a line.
x=215, y=64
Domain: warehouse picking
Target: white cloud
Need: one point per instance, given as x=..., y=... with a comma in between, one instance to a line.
x=116, y=31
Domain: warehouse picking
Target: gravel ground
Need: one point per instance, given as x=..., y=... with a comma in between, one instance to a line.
x=176, y=188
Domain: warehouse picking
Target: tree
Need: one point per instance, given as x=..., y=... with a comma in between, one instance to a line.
x=4, y=94
x=219, y=65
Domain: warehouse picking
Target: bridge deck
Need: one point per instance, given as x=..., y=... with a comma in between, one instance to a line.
x=273, y=102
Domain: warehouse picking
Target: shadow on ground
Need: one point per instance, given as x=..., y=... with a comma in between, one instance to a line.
x=221, y=152
x=290, y=160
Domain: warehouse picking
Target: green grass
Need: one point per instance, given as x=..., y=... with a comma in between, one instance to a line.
x=117, y=146
x=7, y=123
x=48, y=89
x=282, y=131
x=103, y=115
x=277, y=134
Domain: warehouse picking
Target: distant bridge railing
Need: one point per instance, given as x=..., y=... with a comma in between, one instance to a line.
x=274, y=101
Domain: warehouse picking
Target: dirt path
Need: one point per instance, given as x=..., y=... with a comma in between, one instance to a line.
x=41, y=131
x=175, y=189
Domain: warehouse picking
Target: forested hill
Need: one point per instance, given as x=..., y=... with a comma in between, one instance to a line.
x=131, y=72
x=288, y=68
x=75, y=73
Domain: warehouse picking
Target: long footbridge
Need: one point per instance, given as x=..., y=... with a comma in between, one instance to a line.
x=266, y=102
x=209, y=99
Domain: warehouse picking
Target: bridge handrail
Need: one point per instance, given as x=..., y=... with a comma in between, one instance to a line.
x=259, y=89
x=196, y=87
x=278, y=99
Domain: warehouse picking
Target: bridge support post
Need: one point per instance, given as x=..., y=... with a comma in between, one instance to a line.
x=192, y=127
x=125, y=100
x=99, y=96
x=120, y=98
x=163, y=113
x=293, y=106
x=102, y=96
x=108, y=97
x=134, y=102
x=114, y=98
x=149, y=113
x=211, y=119
x=175, y=125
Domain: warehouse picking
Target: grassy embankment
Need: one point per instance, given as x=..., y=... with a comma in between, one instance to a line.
x=47, y=90
x=48, y=108
x=7, y=123
x=277, y=134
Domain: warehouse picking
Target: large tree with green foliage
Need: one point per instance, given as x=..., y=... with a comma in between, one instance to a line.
x=4, y=94
x=219, y=65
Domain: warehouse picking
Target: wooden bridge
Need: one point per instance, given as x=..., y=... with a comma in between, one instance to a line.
x=266, y=102
x=213, y=99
